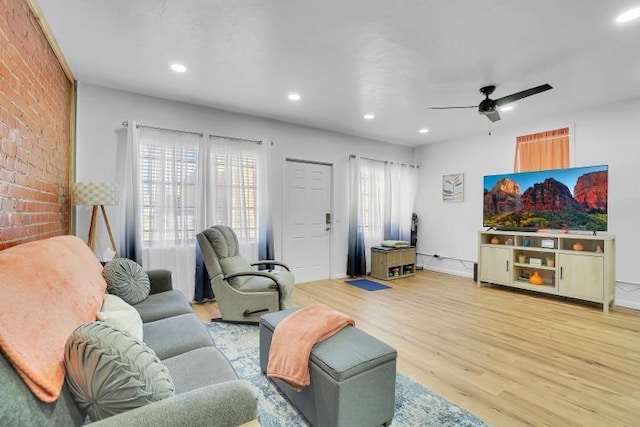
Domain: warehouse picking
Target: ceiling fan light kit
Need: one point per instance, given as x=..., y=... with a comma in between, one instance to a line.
x=489, y=107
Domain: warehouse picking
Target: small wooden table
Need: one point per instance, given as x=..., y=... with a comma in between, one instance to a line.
x=393, y=263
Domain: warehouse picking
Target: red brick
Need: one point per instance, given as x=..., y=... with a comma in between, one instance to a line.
x=34, y=131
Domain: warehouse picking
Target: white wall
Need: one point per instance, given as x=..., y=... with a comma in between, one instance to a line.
x=605, y=135
x=100, y=136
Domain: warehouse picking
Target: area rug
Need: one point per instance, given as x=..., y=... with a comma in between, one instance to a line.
x=367, y=285
x=415, y=404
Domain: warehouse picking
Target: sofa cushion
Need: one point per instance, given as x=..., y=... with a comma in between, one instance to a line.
x=126, y=279
x=121, y=315
x=109, y=371
x=163, y=305
x=176, y=335
x=199, y=368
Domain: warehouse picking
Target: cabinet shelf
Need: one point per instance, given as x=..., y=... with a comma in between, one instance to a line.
x=537, y=267
x=586, y=274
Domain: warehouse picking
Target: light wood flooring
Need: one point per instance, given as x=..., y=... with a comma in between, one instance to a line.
x=510, y=357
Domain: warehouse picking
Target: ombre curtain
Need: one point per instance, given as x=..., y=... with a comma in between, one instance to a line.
x=239, y=193
x=170, y=181
x=235, y=193
x=373, y=199
x=401, y=182
x=131, y=208
x=542, y=151
x=356, y=260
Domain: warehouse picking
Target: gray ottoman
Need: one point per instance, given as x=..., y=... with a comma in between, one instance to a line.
x=353, y=377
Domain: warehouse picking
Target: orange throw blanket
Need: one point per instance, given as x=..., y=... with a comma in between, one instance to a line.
x=47, y=289
x=295, y=336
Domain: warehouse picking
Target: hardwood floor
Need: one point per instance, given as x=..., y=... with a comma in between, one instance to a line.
x=509, y=357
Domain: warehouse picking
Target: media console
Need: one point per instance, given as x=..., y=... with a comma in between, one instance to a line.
x=570, y=265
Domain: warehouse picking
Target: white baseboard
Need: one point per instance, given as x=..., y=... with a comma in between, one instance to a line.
x=627, y=304
x=447, y=271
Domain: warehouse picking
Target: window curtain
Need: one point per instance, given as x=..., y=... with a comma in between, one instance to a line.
x=170, y=182
x=235, y=193
x=239, y=193
x=401, y=182
x=542, y=151
x=131, y=209
x=356, y=261
x=374, y=196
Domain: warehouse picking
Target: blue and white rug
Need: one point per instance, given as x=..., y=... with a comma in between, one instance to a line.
x=415, y=404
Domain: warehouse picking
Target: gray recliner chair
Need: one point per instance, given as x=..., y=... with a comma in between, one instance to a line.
x=242, y=292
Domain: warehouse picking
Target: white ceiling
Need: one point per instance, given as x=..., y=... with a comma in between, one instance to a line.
x=349, y=57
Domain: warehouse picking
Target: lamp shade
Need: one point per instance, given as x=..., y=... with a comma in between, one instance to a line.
x=95, y=193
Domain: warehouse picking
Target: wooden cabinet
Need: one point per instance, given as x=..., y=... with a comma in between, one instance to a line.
x=581, y=276
x=393, y=263
x=497, y=265
x=571, y=265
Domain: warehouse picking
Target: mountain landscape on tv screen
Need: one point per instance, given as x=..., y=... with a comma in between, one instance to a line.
x=548, y=204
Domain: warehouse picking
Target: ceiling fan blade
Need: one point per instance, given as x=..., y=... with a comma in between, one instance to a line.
x=494, y=116
x=519, y=95
x=449, y=108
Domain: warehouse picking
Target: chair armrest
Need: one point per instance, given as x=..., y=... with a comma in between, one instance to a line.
x=252, y=273
x=160, y=281
x=271, y=262
x=230, y=403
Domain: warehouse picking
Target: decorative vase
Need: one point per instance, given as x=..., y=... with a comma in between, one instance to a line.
x=535, y=279
x=495, y=240
x=551, y=262
x=578, y=246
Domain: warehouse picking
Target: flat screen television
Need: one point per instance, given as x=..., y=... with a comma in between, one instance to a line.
x=563, y=199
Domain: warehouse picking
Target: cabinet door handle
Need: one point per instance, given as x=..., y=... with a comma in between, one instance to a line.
x=507, y=265
x=560, y=273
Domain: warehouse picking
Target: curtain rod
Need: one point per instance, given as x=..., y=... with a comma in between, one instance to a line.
x=385, y=161
x=255, y=141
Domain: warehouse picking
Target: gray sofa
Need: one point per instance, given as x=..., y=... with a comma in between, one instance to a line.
x=208, y=391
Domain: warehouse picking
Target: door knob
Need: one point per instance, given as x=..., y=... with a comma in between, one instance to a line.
x=327, y=229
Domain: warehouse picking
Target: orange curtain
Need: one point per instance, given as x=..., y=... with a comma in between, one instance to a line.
x=542, y=151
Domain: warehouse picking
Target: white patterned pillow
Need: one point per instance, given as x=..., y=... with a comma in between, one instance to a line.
x=121, y=315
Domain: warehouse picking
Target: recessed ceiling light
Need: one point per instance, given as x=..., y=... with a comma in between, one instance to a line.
x=506, y=108
x=424, y=130
x=178, y=68
x=294, y=96
x=629, y=15
x=369, y=116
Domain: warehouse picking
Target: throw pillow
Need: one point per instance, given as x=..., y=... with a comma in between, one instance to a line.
x=109, y=371
x=127, y=280
x=121, y=315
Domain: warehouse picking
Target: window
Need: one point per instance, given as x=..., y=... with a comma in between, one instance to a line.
x=542, y=151
x=372, y=182
x=168, y=181
x=236, y=201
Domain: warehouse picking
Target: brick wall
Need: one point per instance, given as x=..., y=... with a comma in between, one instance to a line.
x=35, y=143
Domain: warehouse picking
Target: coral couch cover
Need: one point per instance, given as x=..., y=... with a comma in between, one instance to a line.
x=47, y=289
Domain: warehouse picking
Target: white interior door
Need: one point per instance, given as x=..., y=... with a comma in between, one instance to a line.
x=307, y=220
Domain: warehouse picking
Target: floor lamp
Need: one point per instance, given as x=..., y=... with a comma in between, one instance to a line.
x=98, y=195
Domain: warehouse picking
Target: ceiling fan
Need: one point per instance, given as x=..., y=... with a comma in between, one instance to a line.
x=489, y=107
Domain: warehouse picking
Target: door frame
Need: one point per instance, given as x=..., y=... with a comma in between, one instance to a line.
x=331, y=205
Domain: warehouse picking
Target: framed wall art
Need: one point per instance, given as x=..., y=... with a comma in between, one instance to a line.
x=453, y=188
